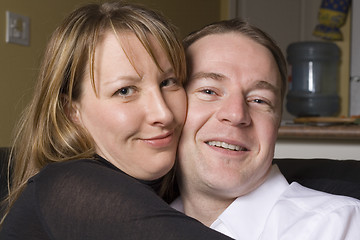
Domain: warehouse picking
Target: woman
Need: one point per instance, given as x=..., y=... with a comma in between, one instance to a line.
x=101, y=132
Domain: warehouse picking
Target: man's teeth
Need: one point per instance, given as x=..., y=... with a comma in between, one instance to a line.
x=226, y=145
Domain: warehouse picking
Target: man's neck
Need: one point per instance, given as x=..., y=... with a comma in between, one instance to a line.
x=203, y=207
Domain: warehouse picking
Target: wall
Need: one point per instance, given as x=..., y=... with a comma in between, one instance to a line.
x=355, y=61
x=187, y=15
x=19, y=64
x=313, y=148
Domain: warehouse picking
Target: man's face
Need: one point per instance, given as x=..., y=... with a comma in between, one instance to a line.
x=234, y=112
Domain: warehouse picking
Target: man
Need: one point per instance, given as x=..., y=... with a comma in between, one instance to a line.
x=237, y=81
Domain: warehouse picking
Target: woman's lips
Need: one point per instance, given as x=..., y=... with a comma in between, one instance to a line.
x=160, y=141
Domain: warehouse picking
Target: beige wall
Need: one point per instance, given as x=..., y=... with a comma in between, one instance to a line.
x=19, y=64
x=188, y=15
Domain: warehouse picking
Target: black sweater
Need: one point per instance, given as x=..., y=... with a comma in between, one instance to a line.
x=92, y=199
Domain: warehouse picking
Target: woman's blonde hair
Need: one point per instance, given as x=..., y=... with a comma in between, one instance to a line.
x=45, y=133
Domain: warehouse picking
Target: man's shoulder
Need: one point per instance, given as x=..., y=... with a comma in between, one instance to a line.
x=313, y=200
x=304, y=213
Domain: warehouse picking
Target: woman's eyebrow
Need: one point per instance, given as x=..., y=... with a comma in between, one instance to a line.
x=134, y=77
x=130, y=78
x=168, y=72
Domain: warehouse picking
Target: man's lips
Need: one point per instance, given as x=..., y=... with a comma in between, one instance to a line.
x=225, y=145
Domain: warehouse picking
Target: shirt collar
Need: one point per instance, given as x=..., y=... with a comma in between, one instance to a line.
x=246, y=216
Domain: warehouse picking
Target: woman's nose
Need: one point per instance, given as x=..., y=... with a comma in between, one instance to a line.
x=234, y=111
x=157, y=110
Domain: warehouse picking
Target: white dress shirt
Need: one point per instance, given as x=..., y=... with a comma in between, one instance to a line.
x=277, y=210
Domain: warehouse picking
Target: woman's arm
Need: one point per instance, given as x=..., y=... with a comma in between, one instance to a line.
x=86, y=200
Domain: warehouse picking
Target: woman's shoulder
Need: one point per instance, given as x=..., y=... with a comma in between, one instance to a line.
x=80, y=175
x=77, y=166
x=69, y=167
x=64, y=175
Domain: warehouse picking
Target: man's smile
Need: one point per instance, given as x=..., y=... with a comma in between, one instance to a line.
x=226, y=145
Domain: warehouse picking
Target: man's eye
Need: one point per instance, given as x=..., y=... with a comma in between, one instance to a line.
x=208, y=91
x=259, y=101
x=125, y=91
x=169, y=82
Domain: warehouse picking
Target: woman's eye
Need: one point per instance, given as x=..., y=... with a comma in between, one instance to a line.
x=125, y=91
x=169, y=82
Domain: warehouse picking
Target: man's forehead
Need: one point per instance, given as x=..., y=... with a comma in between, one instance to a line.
x=220, y=77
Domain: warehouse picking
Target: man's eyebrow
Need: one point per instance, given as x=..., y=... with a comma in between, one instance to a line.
x=211, y=75
x=266, y=85
x=261, y=84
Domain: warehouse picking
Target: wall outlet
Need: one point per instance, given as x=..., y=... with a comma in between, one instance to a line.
x=17, y=29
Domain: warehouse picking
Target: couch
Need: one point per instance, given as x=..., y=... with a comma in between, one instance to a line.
x=4, y=154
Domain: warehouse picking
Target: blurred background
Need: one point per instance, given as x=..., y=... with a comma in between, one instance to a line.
x=287, y=21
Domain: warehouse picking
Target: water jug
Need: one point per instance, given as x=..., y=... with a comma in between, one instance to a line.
x=313, y=79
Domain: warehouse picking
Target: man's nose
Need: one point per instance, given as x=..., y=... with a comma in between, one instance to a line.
x=234, y=110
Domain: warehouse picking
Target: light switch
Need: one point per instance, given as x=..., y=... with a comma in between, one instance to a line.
x=17, y=29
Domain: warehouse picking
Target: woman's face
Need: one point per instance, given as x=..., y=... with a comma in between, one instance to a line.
x=137, y=114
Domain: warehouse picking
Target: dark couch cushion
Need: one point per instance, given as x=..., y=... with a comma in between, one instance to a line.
x=340, y=177
x=4, y=155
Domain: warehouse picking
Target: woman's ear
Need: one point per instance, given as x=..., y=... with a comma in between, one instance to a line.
x=74, y=113
x=72, y=110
